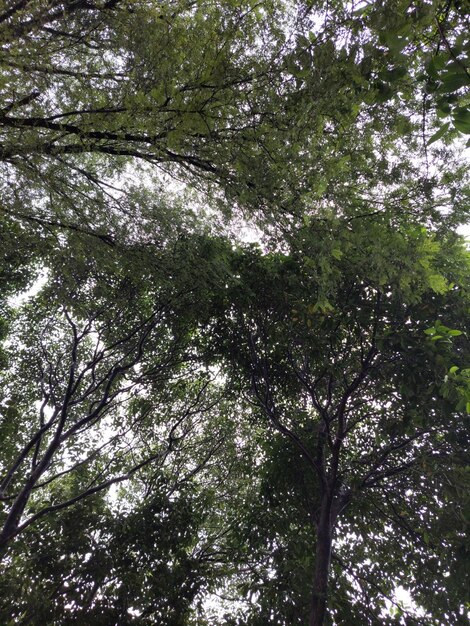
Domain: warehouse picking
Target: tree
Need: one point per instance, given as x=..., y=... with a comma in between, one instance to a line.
x=85, y=386
x=270, y=413
x=92, y=87
x=359, y=396
x=113, y=566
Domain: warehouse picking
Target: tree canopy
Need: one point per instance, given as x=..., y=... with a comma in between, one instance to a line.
x=234, y=316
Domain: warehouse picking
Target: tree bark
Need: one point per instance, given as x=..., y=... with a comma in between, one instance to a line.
x=322, y=566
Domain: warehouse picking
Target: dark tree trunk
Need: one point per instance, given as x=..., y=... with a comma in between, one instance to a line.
x=10, y=525
x=322, y=566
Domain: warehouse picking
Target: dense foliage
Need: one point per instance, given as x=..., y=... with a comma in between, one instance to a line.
x=234, y=316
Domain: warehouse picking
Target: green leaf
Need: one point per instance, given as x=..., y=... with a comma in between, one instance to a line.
x=462, y=120
x=443, y=107
x=463, y=127
x=440, y=133
x=336, y=252
x=438, y=283
x=453, y=82
x=396, y=73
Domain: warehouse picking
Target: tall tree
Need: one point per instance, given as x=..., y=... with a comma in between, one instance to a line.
x=359, y=385
x=90, y=368
x=223, y=93
x=281, y=411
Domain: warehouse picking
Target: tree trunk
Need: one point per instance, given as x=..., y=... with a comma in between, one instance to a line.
x=10, y=525
x=322, y=566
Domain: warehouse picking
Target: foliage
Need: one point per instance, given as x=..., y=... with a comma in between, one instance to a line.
x=363, y=400
x=197, y=430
